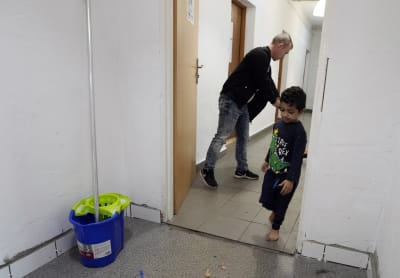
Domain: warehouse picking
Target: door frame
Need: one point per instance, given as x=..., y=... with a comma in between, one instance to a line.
x=168, y=199
x=242, y=27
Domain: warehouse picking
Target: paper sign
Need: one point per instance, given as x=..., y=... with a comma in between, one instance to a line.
x=190, y=11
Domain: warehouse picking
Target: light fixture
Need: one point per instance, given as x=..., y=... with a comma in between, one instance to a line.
x=319, y=9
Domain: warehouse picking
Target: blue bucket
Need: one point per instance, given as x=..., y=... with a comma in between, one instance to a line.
x=99, y=243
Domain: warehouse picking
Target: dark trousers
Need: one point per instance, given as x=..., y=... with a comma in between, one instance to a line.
x=272, y=199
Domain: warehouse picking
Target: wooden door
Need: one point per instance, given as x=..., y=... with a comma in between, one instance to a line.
x=185, y=88
x=238, y=18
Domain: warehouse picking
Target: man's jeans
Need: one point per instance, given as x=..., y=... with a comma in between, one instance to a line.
x=230, y=118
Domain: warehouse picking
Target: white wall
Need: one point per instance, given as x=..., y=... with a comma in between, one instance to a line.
x=44, y=143
x=264, y=19
x=351, y=167
x=311, y=74
x=130, y=75
x=45, y=139
x=388, y=243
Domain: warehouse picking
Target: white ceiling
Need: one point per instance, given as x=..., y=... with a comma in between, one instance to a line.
x=305, y=8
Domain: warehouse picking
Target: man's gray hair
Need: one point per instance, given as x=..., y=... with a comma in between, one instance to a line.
x=283, y=38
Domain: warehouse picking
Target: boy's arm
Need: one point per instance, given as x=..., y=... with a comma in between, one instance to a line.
x=265, y=165
x=267, y=157
x=269, y=146
x=297, y=156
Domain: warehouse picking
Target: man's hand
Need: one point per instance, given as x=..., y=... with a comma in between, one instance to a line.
x=277, y=102
x=287, y=187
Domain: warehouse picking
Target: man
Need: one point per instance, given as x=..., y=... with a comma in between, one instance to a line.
x=244, y=95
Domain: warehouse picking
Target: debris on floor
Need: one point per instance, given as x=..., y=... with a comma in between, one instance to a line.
x=222, y=267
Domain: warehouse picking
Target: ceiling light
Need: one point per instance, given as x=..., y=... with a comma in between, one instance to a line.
x=319, y=9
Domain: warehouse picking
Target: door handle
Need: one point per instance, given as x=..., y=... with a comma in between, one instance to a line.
x=197, y=70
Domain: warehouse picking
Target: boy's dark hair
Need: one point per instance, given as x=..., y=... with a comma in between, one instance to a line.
x=294, y=96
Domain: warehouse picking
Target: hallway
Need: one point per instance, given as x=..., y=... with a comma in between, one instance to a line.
x=232, y=214
x=233, y=210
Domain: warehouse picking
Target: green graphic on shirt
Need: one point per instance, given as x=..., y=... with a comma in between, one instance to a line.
x=275, y=163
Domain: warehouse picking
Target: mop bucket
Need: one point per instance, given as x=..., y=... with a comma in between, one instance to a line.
x=99, y=243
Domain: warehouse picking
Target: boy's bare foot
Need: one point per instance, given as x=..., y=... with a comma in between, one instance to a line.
x=271, y=217
x=273, y=235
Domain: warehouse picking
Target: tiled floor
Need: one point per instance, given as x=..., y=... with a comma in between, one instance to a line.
x=233, y=211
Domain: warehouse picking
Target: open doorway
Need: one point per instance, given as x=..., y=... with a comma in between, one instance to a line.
x=233, y=211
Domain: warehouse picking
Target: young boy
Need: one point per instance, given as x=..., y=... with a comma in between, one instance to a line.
x=282, y=165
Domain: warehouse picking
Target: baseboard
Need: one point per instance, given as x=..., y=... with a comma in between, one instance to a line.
x=260, y=133
x=145, y=212
x=27, y=261
x=335, y=253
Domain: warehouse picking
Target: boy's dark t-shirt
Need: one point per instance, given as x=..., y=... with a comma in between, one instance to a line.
x=286, y=150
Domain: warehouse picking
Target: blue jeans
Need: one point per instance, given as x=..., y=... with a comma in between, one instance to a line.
x=230, y=117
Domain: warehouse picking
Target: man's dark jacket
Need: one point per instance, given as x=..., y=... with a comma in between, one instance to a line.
x=252, y=77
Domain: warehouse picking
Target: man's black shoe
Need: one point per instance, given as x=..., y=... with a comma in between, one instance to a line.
x=208, y=178
x=246, y=175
